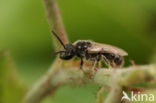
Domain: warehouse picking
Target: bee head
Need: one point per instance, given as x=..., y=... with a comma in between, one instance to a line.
x=68, y=53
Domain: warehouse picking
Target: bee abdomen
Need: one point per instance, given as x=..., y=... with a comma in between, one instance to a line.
x=117, y=59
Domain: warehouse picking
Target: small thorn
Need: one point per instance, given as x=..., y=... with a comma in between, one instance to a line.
x=95, y=69
x=114, y=66
x=133, y=63
x=136, y=90
x=52, y=54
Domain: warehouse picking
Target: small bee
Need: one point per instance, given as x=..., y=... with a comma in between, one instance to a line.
x=89, y=50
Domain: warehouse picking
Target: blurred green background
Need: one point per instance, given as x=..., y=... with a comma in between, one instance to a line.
x=25, y=33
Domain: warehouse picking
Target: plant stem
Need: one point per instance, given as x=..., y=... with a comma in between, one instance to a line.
x=41, y=88
x=58, y=76
x=99, y=98
x=55, y=22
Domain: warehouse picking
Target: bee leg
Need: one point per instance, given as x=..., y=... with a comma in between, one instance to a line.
x=106, y=62
x=81, y=65
x=93, y=65
x=114, y=65
x=99, y=64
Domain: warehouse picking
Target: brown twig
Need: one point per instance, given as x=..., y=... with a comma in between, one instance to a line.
x=58, y=76
x=43, y=87
x=55, y=21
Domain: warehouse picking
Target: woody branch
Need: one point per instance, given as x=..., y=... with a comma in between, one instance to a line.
x=107, y=78
x=55, y=22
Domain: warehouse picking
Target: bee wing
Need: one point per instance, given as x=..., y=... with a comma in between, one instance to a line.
x=105, y=48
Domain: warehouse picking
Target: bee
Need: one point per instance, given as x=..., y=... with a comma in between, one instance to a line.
x=92, y=51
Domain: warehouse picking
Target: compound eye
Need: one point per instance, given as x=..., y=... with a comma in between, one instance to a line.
x=113, y=55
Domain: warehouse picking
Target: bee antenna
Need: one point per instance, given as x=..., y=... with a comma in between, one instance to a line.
x=58, y=38
x=56, y=53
